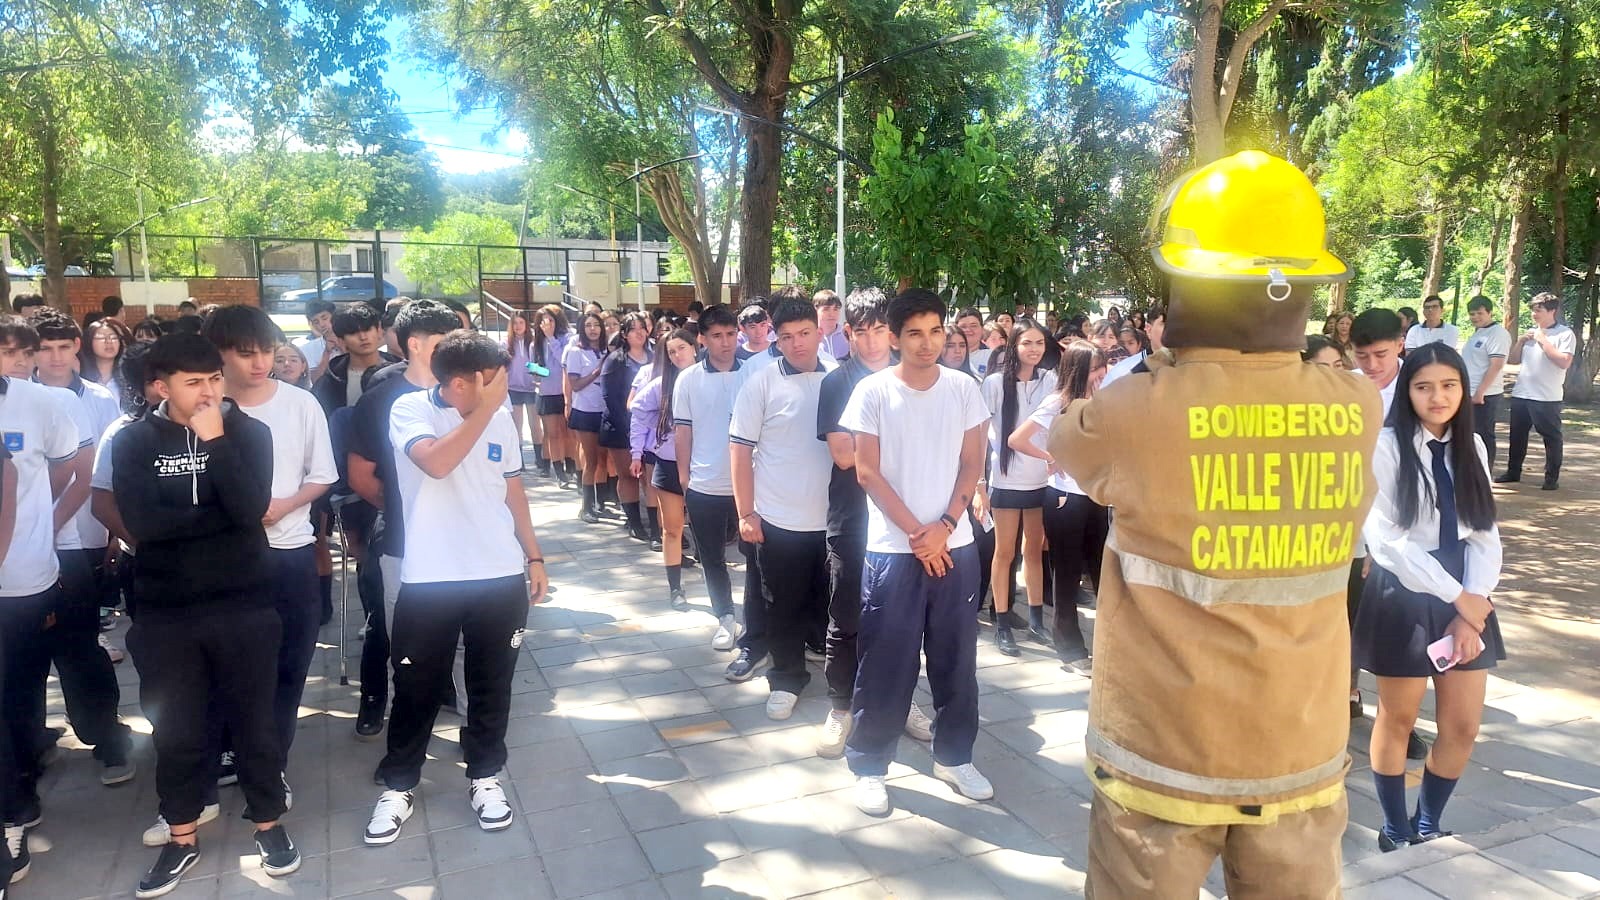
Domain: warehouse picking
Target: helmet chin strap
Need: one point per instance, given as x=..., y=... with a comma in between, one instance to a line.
x=1278, y=287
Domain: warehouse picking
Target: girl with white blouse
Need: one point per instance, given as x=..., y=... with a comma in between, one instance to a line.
x=1425, y=612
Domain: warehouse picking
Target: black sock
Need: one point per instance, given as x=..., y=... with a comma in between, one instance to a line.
x=1430, y=802
x=589, y=500
x=675, y=577
x=631, y=510
x=1392, y=800
x=611, y=491
x=1036, y=618
x=538, y=455
x=654, y=515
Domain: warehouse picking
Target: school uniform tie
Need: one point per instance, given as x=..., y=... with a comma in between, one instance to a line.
x=1451, y=553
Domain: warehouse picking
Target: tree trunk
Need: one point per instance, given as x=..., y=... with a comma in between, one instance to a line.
x=1337, y=294
x=55, y=265
x=1558, y=176
x=758, y=205
x=1430, y=285
x=1512, y=300
x=1204, y=109
x=1494, y=250
x=666, y=190
x=1580, y=375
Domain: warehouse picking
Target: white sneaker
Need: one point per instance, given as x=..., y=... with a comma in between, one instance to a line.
x=159, y=834
x=918, y=725
x=780, y=705
x=113, y=652
x=727, y=633
x=392, y=811
x=966, y=779
x=872, y=796
x=488, y=800
x=835, y=731
x=288, y=793
x=229, y=769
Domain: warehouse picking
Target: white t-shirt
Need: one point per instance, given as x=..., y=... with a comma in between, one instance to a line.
x=458, y=527
x=104, y=468
x=38, y=429
x=979, y=361
x=1541, y=379
x=1421, y=334
x=702, y=399
x=313, y=347
x=919, y=447
x=1023, y=473
x=776, y=413
x=1482, y=349
x=578, y=363
x=1044, y=417
x=302, y=454
x=94, y=409
x=1385, y=393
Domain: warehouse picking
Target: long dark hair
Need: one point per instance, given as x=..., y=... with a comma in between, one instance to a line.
x=1474, y=499
x=1078, y=361
x=558, y=319
x=88, y=363
x=619, y=341
x=951, y=332
x=1008, y=383
x=583, y=334
x=669, y=378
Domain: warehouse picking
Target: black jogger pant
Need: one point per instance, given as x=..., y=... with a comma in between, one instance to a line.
x=187, y=661
x=88, y=680
x=846, y=554
x=709, y=518
x=794, y=569
x=488, y=616
x=1483, y=422
x=375, y=645
x=1543, y=416
x=27, y=667
x=1076, y=529
x=298, y=599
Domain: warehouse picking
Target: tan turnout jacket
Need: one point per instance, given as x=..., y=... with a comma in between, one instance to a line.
x=1238, y=483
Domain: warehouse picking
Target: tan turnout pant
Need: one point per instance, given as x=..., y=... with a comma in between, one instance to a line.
x=1133, y=856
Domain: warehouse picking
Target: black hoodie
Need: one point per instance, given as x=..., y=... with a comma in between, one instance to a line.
x=194, y=508
x=333, y=387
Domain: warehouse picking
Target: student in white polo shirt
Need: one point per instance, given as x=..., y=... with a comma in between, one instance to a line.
x=919, y=436
x=88, y=681
x=1433, y=329
x=780, y=489
x=702, y=411
x=302, y=471
x=1485, y=355
x=458, y=460
x=43, y=440
x=1544, y=353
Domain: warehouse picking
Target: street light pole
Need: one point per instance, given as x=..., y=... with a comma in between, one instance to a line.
x=638, y=232
x=838, y=192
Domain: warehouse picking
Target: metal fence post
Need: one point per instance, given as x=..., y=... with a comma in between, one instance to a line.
x=377, y=269
x=261, y=275
x=316, y=261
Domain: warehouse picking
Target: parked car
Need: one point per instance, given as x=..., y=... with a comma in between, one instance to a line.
x=37, y=270
x=338, y=289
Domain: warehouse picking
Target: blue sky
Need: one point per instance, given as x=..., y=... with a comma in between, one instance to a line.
x=465, y=140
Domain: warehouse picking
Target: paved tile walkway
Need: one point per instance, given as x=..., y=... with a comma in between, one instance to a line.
x=639, y=772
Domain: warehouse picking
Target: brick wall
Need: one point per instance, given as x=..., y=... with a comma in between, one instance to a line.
x=84, y=293
x=225, y=291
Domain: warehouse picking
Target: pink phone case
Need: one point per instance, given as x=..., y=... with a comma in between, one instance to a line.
x=1442, y=652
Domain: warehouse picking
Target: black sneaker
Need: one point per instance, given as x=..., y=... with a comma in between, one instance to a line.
x=31, y=815
x=1550, y=484
x=369, y=718
x=1416, y=748
x=278, y=854
x=175, y=859
x=1389, y=844
x=1508, y=478
x=742, y=668
x=655, y=545
x=227, y=769
x=17, y=842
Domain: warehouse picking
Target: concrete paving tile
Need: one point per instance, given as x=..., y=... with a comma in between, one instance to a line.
x=815, y=775
x=727, y=695
x=520, y=878
x=676, y=705
x=524, y=730
x=954, y=880
x=576, y=826
x=816, y=865
x=309, y=882
x=367, y=868
x=729, y=879
x=644, y=772
x=1471, y=877
x=785, y=745
x=627, y=646
x=607, y=716
x=544, y=790
x=889, y=848
x=653, y=683
x=778, y=824
x=546, y=756
x=1038, y=871
x=1397, y=887
x=1051, y=812
x=753, y=787
x=664, y=806
x=596, y=867
x=571, y=701
x=1558, y=866
x=719, y=757
x=690, y=845
x=583, y=672
x=649, y=889
x=620, y=743
x=564, y=654
x=469, y=846
x=696, y=729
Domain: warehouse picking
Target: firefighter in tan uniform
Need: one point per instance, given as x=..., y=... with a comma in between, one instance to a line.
x=1239, y=477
